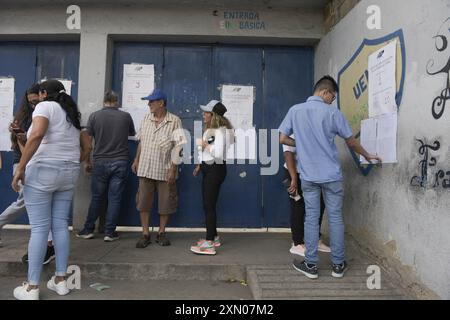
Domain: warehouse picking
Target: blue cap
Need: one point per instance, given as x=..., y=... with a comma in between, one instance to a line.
x=156, y=95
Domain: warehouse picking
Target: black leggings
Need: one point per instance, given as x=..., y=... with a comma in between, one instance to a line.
x=298, y=215
x=213, y=177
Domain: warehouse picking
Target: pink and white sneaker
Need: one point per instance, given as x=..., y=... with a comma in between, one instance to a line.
x=323, y=247
x=217, y=242
x=298, y=250
x=206, y=248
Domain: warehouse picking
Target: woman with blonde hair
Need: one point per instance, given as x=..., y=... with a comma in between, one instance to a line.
x=212, y=155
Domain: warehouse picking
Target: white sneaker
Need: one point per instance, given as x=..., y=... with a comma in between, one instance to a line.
x=60, y=288
x=298, y=250
x=21, y=293
x=323, y=247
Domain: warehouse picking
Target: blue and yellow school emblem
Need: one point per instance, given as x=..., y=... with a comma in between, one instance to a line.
x=353, y=80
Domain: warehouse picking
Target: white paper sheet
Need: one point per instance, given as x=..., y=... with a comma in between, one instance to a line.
x=387, y=137
x=6, y=111
x=67, y=85
x=382, y=80
x=138, y=82
x=369, y=137
x=239, y=103
x=379, y=136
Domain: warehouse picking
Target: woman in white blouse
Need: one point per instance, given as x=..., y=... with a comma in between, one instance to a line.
x=212, y=149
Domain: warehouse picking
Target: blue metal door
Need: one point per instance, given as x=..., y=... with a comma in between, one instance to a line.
x=240, y=202
x=288, y=80
x=18, y=61
x=126, y=53
x=59, y=61
x=192, y=75
x=187, y=82
x=29, y=63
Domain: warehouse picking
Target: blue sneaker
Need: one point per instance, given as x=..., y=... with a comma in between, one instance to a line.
x=111, y=237
x=85, y=234
x=309, y=270
x=338, y=270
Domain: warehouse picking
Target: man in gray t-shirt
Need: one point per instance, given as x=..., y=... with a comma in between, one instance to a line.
x=109, y=128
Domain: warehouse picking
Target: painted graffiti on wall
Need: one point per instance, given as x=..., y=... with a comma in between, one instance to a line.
x=439, y=177
x=441, y=64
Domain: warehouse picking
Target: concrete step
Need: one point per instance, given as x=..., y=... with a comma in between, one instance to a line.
x=139, y=271
x=261, y=260
x=281, y=282
x=139, y=290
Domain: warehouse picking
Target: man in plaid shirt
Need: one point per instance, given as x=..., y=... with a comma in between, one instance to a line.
x=160, y=136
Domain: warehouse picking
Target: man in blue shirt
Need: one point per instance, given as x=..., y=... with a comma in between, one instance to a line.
x=315, y=125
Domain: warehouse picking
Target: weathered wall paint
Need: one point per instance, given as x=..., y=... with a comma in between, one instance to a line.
x=406, y=203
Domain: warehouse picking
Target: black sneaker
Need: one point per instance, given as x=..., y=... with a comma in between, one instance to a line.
x=338, y=270
x=25, y=258
x=111, y=237
x=49, y=255
x=143, y=242
x=309, y=270
x=85, y=234
x=162, y=239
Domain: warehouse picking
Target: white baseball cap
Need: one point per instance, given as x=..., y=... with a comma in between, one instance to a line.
x=214, y=106
x=209, y=107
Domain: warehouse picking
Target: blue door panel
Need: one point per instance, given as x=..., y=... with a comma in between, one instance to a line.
x=22, y=61
x=192, y=75
x=60, y=61
x=240, y=198
x=288, y=80
x=187, y=83
x=127, y=53
x=18, y=61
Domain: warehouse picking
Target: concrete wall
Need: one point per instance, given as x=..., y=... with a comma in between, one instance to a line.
x=336, y=10
x=410, y=223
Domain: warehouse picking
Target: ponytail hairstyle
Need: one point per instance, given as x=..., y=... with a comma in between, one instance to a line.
x=56, y=92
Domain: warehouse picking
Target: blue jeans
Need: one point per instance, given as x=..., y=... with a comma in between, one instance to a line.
x=48, y=193
x=333, y=194
x=15, y=210
x=107, y=184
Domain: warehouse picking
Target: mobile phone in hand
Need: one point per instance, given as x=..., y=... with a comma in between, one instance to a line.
x=18, y=130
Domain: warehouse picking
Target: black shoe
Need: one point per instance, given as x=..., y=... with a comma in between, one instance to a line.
x=49, y=255
x=111, y=237
x=25, y=258
x=162, y=240
x=143, y=242
x=309, y=270
x=85, y=234
x=338, y=270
